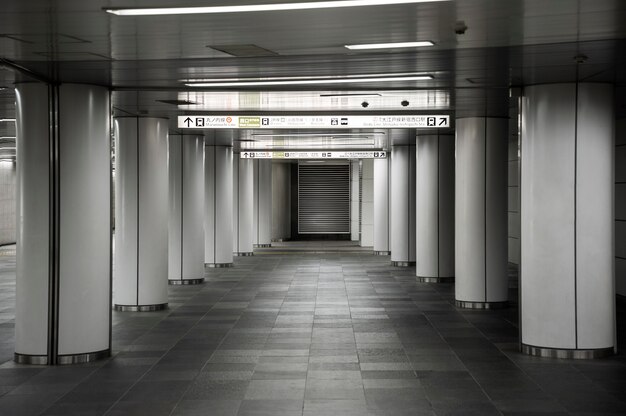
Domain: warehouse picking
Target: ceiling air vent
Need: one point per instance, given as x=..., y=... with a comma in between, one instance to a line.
x=243, y=51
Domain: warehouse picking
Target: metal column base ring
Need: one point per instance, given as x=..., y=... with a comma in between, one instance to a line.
x=480, y=305
x=186, y=281
x=62, y=359
x=424, y=279
x=243, y=253
x=381, y=253
x=566, y=353
x=140, y=308
x=262, y=246
x=403, y=263
x=219, y=265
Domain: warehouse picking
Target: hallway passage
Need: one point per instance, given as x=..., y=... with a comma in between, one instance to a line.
x=311, y=334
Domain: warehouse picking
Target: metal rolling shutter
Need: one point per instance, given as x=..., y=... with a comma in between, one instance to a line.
x=323, y=199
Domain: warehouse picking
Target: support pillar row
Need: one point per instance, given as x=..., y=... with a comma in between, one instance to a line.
x=218, y=206
x=402, y=207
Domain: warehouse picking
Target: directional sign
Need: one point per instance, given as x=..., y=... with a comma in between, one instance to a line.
x=313, y=122
x=322, y=154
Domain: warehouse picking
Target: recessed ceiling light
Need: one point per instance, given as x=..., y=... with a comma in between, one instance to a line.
x=7, y=120
x=271, y=7
x=396, y=45
x=421, y=77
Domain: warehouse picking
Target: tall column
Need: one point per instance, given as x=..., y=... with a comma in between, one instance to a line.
x=435, y=207
x=567, y=193
x=355, y=201
x=262, y=221
x=281, y=201
x=218, y=206
x=186, y=196
x=367, y=202
x=481, y=212
x=63, y=304
x=382, y=201
x=402, y=210
x=141, y=213
x=243, y=214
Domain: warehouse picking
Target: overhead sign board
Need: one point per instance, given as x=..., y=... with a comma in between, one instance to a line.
x=314, y=122
x=322, y=154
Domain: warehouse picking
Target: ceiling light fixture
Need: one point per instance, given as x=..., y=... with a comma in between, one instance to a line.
x=396, y=45
x=352, y=95
x=7, y=120
x=304, y=78
x=271, y=7
x=311, y=81
x=367, y=135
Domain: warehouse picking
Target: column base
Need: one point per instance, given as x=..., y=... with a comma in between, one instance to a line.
x=262, y=246
x=424, y=279
x=480, y=305
x=564, y=353
x=403, y=263
x=140, y=308
x=243, y=253
x=218, y=265
x=62, y=359
x=178, y=282
x=381, y=253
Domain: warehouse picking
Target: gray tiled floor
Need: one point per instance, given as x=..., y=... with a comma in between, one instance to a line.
x=310, y=334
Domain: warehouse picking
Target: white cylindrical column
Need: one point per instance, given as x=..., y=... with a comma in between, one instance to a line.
x=355, y=201
x=218, y=206
x=243, y=201
x=434, y=207
x=141, y=213
x=186, y=196
x=63, y=303
x=402, y=205
x=262, y=221
x=567, y=209
x=381, y=206
x=481, y=212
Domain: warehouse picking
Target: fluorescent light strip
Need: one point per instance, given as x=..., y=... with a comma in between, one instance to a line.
x=419, y=44
x=396, y=74
x=310, y=81
x=7, y=120
x=315, y=134
x=348, y=95
x=271, y=7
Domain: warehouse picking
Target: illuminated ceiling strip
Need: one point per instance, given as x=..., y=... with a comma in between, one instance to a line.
x=272, y=7
x=396, y=45
x=7, y=120
x=310, y=81
x=383, y=75
x=367, y=135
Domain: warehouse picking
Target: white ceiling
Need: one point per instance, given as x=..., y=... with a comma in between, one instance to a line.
x=147, y=59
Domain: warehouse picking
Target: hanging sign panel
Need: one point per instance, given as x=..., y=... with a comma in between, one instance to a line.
x=313, y=122
x=322, y=154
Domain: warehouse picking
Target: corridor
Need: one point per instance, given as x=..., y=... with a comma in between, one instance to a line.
x=310, y=333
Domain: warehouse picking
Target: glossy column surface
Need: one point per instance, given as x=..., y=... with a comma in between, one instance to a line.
x=481, y=212
x=141, y=232
x=355, y=220
x=218, y=206
x=567, y=208
x=243, y=202
x=367, y=202
x=186, y=203
x=64, y=224
x=402, y=211
x=381, y=205
x=262, y=220
x=434, y=207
